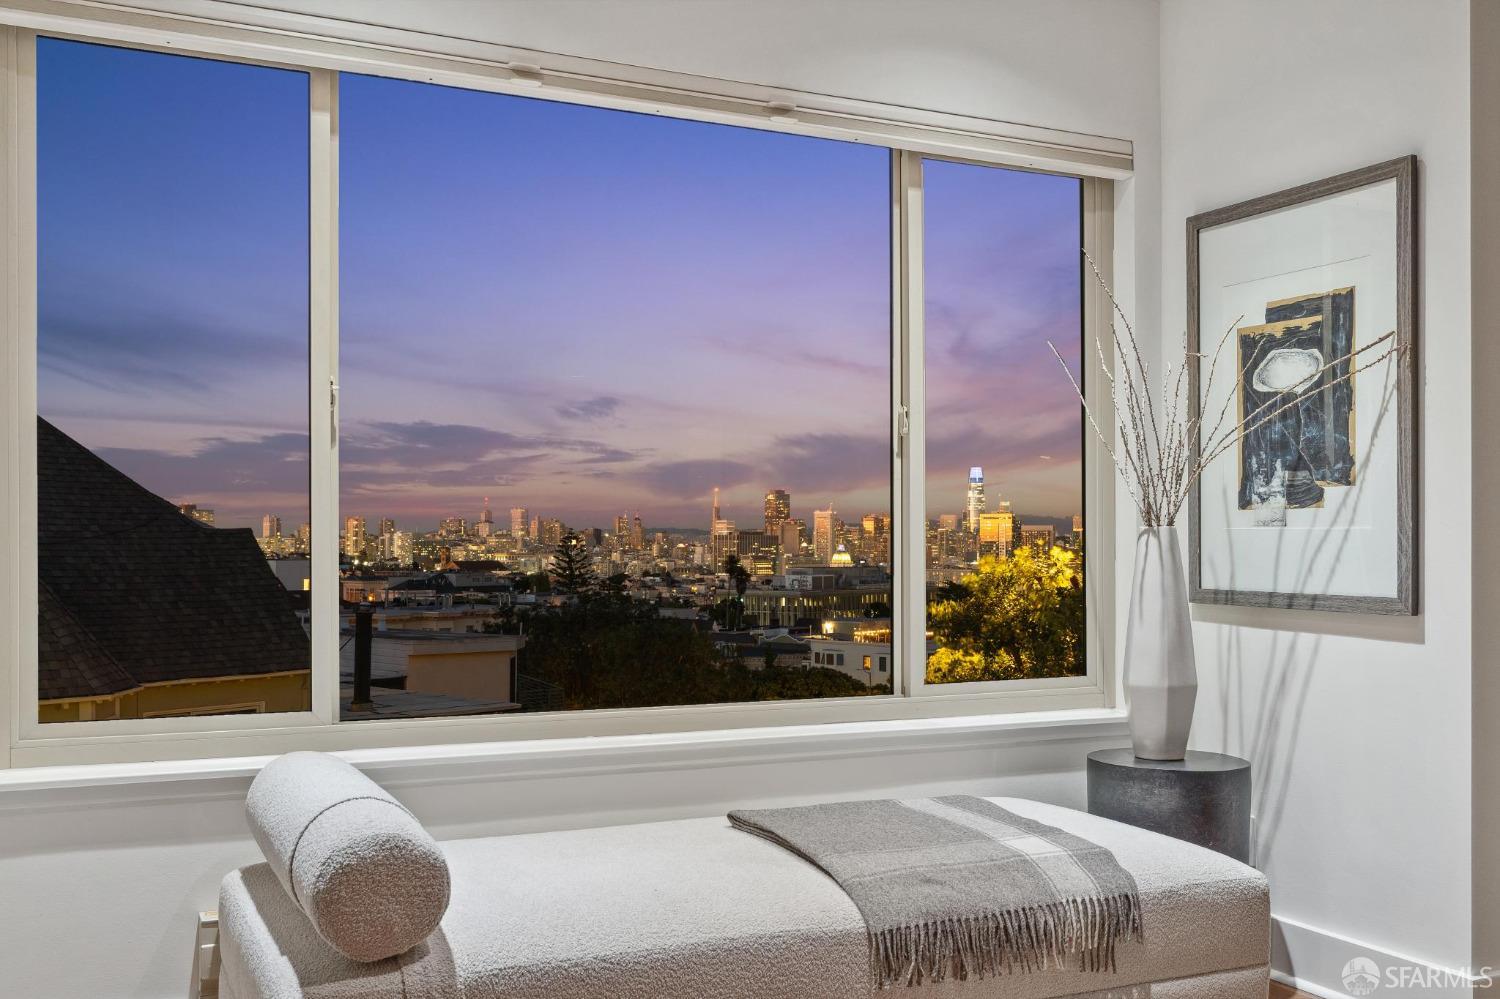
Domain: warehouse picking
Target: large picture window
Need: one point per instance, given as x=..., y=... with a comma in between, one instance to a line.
x=368, y=404
x=616, y=406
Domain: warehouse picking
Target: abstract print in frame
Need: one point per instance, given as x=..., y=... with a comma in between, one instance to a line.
x=1317, y=509
x=1300, y=451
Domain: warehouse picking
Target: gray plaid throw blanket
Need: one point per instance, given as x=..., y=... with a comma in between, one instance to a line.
x=958, y=886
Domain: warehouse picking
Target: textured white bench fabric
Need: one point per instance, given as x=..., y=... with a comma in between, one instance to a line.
x=697, y=910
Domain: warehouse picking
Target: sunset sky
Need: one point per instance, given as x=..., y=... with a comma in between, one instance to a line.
x=580, y=311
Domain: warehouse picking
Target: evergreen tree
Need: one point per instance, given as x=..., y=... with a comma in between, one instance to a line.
x=739, y=578
x=572, y=568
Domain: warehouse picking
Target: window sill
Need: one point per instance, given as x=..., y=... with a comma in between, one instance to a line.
x=409, y=766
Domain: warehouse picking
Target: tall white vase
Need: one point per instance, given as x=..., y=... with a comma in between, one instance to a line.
x=1161, y=675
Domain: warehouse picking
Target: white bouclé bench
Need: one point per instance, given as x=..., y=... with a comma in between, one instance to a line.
x=690, y=909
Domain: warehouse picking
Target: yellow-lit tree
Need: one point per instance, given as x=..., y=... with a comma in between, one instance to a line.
x=1012, y=618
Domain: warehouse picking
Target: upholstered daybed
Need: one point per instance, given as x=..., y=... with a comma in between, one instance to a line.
x=696, y=909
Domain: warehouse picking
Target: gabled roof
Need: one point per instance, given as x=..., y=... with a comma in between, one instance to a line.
x=73, y=663
x=128, y=579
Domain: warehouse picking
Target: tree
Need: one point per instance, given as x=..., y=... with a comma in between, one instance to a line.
x=1013, y=618
x=572, y=567
x=818, y=681
x=611, y=651
x=739, y=578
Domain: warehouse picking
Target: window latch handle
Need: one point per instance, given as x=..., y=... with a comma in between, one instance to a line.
x=333, y=408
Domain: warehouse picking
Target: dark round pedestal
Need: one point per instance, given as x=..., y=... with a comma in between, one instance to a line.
x=1204, y=799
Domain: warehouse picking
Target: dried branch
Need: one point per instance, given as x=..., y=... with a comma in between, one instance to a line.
x=1162, y=455
x=1246, y=426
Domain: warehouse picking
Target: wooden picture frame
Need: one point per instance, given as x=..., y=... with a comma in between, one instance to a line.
x=1273, y=210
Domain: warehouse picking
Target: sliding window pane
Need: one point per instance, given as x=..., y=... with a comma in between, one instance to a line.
x=172, y=385
x=1005, y=597
x=616, y=408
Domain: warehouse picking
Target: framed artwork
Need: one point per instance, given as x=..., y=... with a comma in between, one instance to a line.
x=1316, y=508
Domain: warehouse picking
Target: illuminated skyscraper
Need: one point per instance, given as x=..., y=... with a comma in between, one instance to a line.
x=637, y=533
x=1040, y=535
x=485, y=516
x=724, y=541
x=975, y=504
x=550, y=531
x=270, y=526
x=518, y=520
x=997, y=531
x=714, y=519
x=622, y=528
x=387, y=526
x=824, y=535
x=354, y=537
x=875, y=538
x=778, y=509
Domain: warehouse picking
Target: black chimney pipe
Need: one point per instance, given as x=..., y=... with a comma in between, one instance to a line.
x=364, y=621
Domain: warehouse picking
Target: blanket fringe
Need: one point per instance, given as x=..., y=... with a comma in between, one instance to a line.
x=1032, y=938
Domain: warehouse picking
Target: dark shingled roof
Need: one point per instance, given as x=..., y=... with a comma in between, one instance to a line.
x=128, y=580
x=73, y=664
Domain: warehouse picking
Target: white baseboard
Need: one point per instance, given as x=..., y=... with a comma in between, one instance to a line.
x=1313, y=960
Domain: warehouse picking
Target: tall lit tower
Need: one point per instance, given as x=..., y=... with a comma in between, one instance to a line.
x=518, y=522
x=354, y=537
x=270, y=526
x=824, y=538
x=714, y=520
x=975, y=504
x=485, y=516
x=778, y=509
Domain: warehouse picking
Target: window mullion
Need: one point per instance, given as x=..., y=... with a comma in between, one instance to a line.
x=1099, y=475
x=16, y=387
x=20, y=192
x=910, y=605
x=323, y=178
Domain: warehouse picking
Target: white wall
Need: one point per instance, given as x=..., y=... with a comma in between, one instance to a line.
x=1359, y=729
x=1484, y=154
x=97, y=890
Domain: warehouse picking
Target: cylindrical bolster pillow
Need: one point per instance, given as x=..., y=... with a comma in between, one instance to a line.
x=372, y=881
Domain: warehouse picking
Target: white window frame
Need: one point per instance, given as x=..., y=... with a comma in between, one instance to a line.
x=910, y=134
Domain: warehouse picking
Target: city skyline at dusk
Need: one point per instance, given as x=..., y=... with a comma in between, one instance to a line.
x=580, y=311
